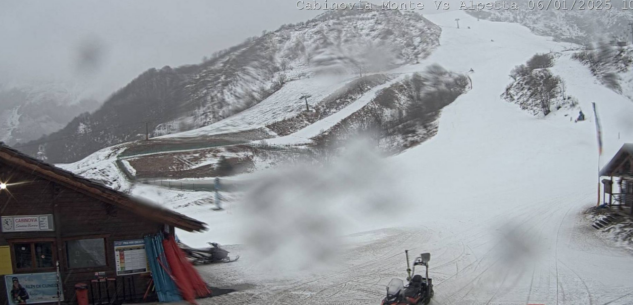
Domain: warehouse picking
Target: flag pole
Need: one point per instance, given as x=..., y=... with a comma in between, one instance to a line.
x=599, y=136
x=598, y=202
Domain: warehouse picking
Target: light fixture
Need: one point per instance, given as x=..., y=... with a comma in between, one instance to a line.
x=3, y=186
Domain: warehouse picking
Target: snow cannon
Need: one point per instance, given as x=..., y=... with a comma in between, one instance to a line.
x=418, y=291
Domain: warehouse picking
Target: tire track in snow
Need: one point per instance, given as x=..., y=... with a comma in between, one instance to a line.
x=536, y=266
x=463, y=252
x=589, y=295
x=352, y=270
x=622, y=297
x=556, y=255
x=545, y=206
x=527, y=301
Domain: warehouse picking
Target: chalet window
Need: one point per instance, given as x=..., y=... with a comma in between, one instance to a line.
x=86, y=253
x=34, y=256
x=23, y=256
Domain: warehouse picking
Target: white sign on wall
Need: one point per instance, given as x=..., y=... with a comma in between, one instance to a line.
x=27, y=223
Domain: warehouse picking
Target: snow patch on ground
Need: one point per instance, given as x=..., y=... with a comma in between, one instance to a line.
x=129, y=167
x=101, y=167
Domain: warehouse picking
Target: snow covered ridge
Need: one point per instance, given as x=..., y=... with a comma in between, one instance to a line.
x=337, y=43
x=536, y=89
x=570, y=25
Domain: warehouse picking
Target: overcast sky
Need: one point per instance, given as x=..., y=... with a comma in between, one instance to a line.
x=104, y=44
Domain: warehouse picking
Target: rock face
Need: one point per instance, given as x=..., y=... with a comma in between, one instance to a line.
x=170, y=100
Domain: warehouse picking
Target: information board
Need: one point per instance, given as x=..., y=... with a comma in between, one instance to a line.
x=130, y=257
x=33, y=288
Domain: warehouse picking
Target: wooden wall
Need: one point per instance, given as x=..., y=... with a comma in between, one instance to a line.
x=75, y=216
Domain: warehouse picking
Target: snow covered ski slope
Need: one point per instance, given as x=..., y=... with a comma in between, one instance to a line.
x=508, y=189
x=496, y=196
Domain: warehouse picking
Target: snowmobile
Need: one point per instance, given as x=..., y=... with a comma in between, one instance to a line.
x=204, y=256
x=419, y=290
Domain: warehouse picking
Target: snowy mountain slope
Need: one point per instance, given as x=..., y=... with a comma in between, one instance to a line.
x=190, y=97
x=389, y=106
x=401, y=116
x=306, y=134
x=508, y=180
x=31, y=111
x=279, y=106
x=405, y=120
x=334, y=42
x=614, y=109
x=496, y=197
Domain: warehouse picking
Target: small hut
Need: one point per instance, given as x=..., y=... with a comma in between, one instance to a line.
x=619, y=184
x=60, y=230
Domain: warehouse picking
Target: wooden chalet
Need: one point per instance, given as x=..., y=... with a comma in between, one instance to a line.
x=58, y=224
x=619, y=184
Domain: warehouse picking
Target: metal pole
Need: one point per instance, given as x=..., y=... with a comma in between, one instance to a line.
x=427, y=273
x=406, y=252
x=146, y=131
x=599, y=136
x=305, y=97
x=428, y=286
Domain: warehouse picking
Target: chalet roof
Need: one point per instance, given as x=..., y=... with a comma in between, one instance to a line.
x=612, y=168
x=98, y=190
